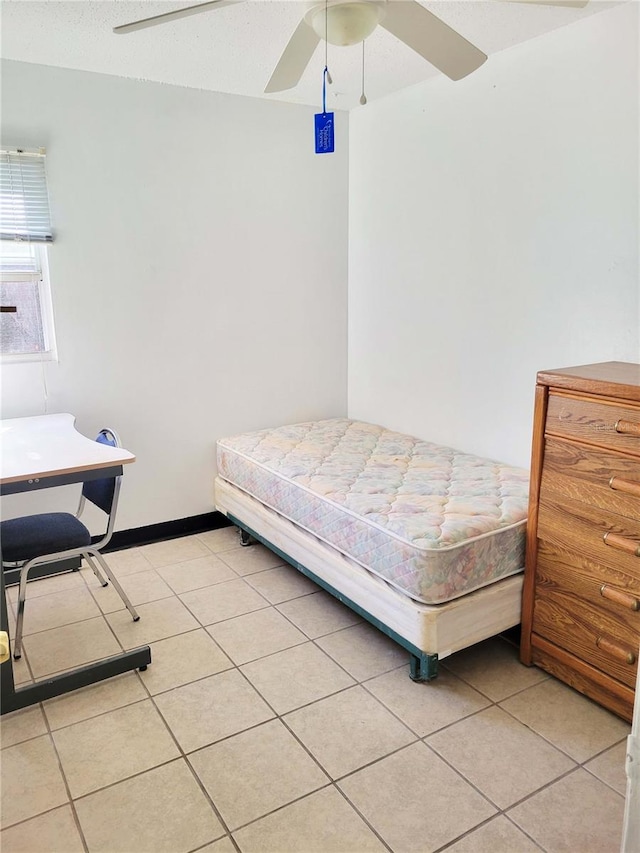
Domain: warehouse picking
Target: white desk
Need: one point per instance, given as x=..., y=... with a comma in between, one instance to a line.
x=34, y=450
x=39, y=453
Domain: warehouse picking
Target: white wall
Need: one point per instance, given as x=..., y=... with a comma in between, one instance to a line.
x=494, y=233
x=200, y=265
x=199, y=272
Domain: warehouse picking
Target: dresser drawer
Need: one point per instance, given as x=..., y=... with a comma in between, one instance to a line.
x=602, y=479
x=612, y=592
x=603, y=537
x=595, y=422
x=593, y=635
x=577, y=631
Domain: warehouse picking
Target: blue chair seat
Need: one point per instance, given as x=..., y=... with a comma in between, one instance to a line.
x=37, y=535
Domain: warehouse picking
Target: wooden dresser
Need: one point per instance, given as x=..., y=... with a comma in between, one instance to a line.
x=581, y=601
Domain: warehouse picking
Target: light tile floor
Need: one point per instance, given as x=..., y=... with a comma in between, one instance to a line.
x=274, y=719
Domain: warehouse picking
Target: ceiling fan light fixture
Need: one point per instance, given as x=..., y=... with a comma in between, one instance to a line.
x=346, y=23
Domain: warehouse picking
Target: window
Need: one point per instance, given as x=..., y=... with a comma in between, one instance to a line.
x=27, y=330
x=26, y=319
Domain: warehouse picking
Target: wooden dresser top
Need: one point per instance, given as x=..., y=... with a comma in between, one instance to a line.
x=609, y=379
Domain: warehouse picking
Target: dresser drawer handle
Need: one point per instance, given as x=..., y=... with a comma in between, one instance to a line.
x=627, y=427
x=616, y=651
x=619, y=596
x=622, y=543
x=629, y=487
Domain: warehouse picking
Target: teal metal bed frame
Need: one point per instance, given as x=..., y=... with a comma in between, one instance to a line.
x=422, y=666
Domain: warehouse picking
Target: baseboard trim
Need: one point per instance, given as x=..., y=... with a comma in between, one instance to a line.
x=130, y=539
x=137, y=536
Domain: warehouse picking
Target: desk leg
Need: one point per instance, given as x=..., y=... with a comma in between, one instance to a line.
x=12, y=698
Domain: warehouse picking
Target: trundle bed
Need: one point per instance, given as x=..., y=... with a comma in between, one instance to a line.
x=424, y=541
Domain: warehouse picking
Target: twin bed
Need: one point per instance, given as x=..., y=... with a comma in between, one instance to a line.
x=423, y=541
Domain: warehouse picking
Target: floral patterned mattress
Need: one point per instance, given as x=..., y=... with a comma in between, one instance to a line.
x=434, y=522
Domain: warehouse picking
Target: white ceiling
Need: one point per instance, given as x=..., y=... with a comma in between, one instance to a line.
x=234, y=49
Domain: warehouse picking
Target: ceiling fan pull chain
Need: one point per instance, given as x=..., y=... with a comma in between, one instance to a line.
x=324, y=122
x=325, y=74
x=363, y=97
x=326, y=42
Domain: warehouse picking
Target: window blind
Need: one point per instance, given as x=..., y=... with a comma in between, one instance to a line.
x=24, y=203
x=19, y=258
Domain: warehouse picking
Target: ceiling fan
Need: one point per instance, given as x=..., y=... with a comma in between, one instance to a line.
x=348, y=22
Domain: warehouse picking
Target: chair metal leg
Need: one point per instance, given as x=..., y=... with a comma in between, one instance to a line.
x=96, y=570
x=115, y=583
x=22, y=597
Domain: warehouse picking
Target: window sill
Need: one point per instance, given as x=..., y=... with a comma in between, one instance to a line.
x=27, y=357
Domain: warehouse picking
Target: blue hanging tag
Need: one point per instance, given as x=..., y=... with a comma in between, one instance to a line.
x=324, y=133
x=324, y=122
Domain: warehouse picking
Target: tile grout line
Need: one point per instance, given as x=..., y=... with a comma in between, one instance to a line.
x=484, y=823
x=65, y=780
x=332, y=782
x=278, y=717
x=49, y=731
x=232, y=841
x=188, y=763
x=528, y=796
x=419, y=736
x=559, y=748
x=505, y=811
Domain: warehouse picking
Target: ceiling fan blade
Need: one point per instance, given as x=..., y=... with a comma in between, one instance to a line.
x=432, y=38
x=575, y=4
x=173, y=16
x=294, y=60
